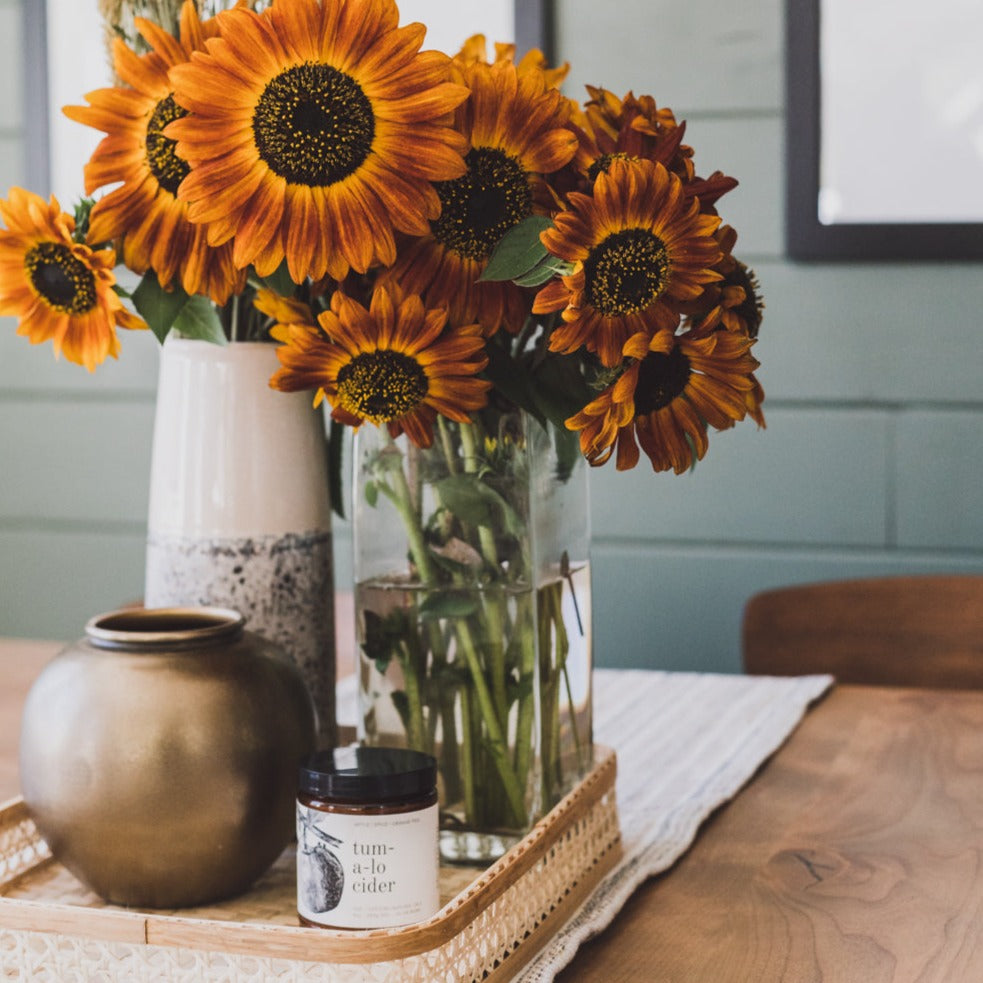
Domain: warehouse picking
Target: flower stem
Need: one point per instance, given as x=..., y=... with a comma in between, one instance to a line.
x=411, y=679
x=401, y=499
x=497, y=744
x=526, y=723
x=468, y=752
x=495, y=616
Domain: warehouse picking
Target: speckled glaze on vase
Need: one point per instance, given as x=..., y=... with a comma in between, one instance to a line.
x=159, y=755
x=240, y=514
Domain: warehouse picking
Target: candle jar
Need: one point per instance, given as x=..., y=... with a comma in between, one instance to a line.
x=367, y=853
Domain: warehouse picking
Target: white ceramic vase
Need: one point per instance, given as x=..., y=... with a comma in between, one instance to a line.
x=239, y=511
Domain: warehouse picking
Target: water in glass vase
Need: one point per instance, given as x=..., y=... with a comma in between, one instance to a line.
x=495, y=682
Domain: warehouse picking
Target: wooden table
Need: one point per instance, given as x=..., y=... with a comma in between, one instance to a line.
x=854, y=856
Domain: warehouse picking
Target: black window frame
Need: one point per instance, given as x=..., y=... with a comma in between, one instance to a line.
x=806, y=238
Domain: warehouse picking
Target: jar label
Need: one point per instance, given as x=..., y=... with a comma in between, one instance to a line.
x=367, y=871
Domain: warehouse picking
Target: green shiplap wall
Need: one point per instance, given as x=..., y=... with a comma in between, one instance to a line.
x=873, y=457
x=871, y=463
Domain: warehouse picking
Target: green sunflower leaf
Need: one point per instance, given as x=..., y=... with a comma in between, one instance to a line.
x=567, y=444
x=474, y=502
x=371, y=493
x=82, y=209
x=693, y=451
x=448, y=604
x=336, y=449
x=199, y=320
x=157, y=306
x=537, y=276
x=279, y=281
x=511, y=379
x=559, y=387
x=519, y=250
x=543, y=272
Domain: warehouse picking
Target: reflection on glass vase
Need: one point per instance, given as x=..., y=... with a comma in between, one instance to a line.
x=473, y=607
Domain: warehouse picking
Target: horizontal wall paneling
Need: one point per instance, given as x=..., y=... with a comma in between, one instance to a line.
x=813, y=476
x=700, y=55
x=680, y=608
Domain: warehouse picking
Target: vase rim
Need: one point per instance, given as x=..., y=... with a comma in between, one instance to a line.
x=170, y=627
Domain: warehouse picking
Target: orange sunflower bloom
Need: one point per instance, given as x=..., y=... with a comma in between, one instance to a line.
x=314, y=131
x=143, y=212
x=640, y=250
x=287, y=313
x=475, y=49
x=516, y=130
x=621, y=129
x=737, y=303
x=666, y=400
x=61, y=290
x=394, y=364
x=637, y=129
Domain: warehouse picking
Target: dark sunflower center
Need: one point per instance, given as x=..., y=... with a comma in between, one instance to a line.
x=382, y=386
x=313, y=125
x=626, y=272
x=478, y=208
x=165, y=165
x=750, y=310
x=661, y=378
x=63, y=281
x=603, y=164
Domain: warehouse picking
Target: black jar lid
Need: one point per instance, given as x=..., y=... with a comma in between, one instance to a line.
x=368, y=774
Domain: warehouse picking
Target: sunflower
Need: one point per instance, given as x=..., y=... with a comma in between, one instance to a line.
x=640, y=251
x=637, y=129
x=60, y=289
x=738, y=305
x=475, y=49
x=143, y=211
x=666, y=399
x=393, y=364
x=314, y=130
x=515, y=126
x=630, y=128
x=287, y=313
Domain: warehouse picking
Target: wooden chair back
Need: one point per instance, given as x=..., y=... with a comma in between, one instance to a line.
x=896, y=631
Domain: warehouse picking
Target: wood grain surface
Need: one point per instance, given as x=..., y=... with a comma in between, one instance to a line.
x=877, y=631
x=20, y=663
x=853, y=857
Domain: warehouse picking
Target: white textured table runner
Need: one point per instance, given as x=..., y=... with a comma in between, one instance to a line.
x=686, y=743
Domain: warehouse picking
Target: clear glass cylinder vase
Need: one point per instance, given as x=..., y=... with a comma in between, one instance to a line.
x=473, y=605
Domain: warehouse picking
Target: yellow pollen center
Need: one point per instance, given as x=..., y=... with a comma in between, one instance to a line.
x=626, y=272
x=162, y=159
x=62, y=281
x=313, y=125
x=382, y=386
x=477, y=209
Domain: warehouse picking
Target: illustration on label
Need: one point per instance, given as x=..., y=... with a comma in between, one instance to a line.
x=321, y=875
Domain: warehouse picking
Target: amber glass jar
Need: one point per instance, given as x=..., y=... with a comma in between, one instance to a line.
x=367, y=854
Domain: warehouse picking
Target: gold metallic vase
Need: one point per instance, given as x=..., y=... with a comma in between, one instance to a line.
x=159, y=754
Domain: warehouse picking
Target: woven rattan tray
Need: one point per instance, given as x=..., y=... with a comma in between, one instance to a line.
x=492, y=922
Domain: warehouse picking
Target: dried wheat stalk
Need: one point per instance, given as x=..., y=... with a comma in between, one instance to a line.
x=118, y=17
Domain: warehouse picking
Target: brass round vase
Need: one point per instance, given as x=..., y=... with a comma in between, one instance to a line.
x=158, y=755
